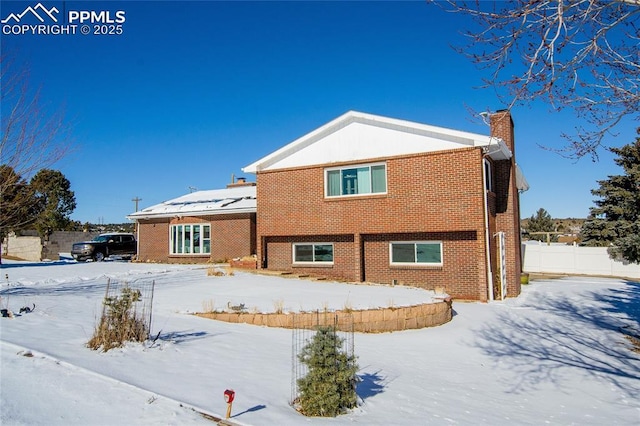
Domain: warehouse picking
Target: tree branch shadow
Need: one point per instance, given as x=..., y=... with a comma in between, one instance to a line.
x=370, y=384
x=179, y=337
x=538, y=347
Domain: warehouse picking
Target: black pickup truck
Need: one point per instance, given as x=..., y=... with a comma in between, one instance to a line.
x=105, y=245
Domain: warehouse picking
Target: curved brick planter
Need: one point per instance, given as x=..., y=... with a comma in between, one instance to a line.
x=365, y=321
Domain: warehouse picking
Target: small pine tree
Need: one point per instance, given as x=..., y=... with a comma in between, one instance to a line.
x=541, y=222
x=615, y=221
x=329, y=388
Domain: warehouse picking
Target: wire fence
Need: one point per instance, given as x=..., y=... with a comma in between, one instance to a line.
x=142, y=308
x=302, y=335
x=127, y=310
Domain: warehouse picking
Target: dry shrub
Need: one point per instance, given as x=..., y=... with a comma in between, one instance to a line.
x=278, y=306
x=208, y=306
x=220, y=271
x=119, y=322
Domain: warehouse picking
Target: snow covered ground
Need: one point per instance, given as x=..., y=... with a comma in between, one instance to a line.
x=555, y=355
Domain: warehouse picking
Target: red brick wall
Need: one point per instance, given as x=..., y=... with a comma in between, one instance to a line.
x=280, y=255
x=460, y=274
x=153, y=240
x=232, y=235
x=439, y=193
x=508, y=202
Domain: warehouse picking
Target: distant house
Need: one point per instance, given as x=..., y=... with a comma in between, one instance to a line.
x=203, y=226
x=375, y=199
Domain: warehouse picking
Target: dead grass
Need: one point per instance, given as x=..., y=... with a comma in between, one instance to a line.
x=278, y=306
x=635, y=342
x=220, y=271
x=208, y=306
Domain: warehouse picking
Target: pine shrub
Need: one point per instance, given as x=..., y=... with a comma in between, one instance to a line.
x=329, y=388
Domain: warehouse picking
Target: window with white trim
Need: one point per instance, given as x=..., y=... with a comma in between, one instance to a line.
x=190, y=239
x=313, y=253
x=356, y=180
x=416, y=253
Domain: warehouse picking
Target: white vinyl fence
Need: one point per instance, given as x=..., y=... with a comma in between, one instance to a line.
x=564, y=259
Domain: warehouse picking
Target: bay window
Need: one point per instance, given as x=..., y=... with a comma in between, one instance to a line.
x=190, y=239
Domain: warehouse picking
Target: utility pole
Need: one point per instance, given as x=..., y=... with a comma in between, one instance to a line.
x=135, y=200
x=135, y=223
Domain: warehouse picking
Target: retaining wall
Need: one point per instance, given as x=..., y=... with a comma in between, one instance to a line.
x=364, y=321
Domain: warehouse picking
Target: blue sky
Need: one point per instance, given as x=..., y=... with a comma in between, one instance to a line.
x=191, y=92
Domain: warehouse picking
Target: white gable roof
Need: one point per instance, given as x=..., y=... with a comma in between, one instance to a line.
x=241, y=199
x=358, y=136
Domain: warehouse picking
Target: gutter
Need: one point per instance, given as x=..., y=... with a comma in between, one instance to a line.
x=187, y=213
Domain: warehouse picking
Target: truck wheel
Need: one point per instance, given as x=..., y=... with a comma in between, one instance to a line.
x=98, y=257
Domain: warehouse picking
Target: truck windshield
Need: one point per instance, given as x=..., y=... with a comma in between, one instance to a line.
x=101, y=239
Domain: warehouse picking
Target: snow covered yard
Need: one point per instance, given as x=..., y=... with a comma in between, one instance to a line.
x=555, y=355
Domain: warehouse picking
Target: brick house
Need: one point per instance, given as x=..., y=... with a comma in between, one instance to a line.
x=200, y=227
x=374, y=199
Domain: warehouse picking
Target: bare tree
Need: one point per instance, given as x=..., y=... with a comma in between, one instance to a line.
x=573, y=54
x=31, y=139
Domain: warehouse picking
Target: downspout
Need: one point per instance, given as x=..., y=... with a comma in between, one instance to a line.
x=486, y=229
x=137, y=225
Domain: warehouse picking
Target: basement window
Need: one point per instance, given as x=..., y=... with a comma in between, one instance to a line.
x=356, y=180
x=316, y=253
x=416, y=253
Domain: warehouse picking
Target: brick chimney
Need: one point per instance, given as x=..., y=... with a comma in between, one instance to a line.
x=240, y=182
x=508, y=200
x=502, y=127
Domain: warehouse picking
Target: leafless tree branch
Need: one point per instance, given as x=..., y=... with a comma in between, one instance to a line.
x=32, y=138
x=577, y=54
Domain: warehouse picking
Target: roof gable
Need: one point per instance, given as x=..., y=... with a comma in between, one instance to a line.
x=358, y=136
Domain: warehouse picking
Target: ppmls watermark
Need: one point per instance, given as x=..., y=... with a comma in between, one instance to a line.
x=40, y=20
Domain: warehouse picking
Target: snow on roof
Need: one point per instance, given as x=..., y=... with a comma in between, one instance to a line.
x=241, y=199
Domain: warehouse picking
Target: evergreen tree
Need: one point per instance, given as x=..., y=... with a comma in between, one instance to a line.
x=328, y=389
x=55, y=200
x=18, y=204
x=615, y=220
x=541, y=222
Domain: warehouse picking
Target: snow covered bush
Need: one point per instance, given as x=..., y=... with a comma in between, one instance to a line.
x=329, y=388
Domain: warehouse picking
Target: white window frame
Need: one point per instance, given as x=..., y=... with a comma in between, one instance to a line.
x=191, y=247
x=415, y=262
x=312, y=262
x=355, y=166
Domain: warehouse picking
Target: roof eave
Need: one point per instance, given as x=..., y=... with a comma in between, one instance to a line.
x=163, y=215
x=521, y=181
